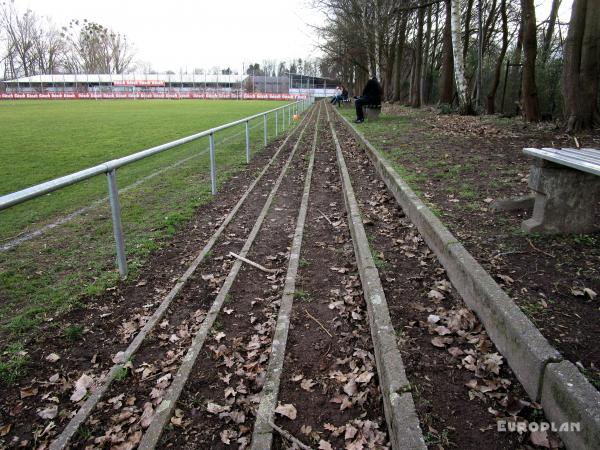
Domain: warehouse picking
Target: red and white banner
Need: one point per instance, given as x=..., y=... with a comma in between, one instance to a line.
x=152, y=83
x=147, y=95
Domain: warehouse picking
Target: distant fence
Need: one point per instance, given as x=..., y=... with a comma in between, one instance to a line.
x=149, y=95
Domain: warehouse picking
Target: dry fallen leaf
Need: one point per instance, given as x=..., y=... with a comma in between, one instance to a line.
x=591, y=294
x=226, y=436
x=5, y=429
x=237, y=416
x=49, y=412
x=324, y=445
x=288, y=410
x=432, y=318
x=441, y=342
x=213, y=408
x=52, y=357
x=177, y=418
x=540, y=438
x=350, y=388
x=442, y=331
x=350, y=432
x=28, y=392
x=147, y=415
x=455, y=351
x=435, y=295
x=365, y=377
x=307, y=384
x=81, y=387
x=220, y=335
x=492, y=362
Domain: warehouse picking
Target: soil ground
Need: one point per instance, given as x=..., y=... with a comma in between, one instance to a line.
x=459, y=165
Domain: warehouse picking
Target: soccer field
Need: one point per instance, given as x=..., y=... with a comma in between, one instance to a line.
x=41, y=140
x=74, y=261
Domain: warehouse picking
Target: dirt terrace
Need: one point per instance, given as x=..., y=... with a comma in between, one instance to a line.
x=459, y=166
x=329, y=395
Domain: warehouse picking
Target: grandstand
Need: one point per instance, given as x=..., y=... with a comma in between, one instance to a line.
x=165, y=85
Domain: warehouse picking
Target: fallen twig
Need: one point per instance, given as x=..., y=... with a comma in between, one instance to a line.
x=288, y=436
x=317, y=320
x=576, y=141
x=326, y=218
x=541, y=251
x=252, y=263
x=516, y=252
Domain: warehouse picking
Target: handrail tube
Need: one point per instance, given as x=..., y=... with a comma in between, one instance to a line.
x=15, y=198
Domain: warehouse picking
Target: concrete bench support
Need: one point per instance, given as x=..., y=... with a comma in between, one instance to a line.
x=565, y=199
x=372, y=111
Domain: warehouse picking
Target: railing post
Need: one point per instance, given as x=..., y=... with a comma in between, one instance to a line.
x=247, y=142
x=213, y=164
x=276, y=123
x=265, y=121
x=115, y=206
x=289, y=115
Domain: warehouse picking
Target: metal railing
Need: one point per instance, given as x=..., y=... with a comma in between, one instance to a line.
x=110, y=169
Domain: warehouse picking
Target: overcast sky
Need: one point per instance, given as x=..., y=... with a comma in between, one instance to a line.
x=184, y=34
x=176, y=34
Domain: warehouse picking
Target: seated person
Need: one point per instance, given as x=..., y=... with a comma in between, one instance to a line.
x=337, y=93
x=371, y=95
x=341, y=97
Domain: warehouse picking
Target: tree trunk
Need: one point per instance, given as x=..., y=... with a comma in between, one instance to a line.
x=465, y=105
x=488, y=29
x=468, y=15
x=581, y=70
x=491, y=98
x=447, y=72
x=418, y=67
x=398, y=60
x=550, y=31
x=425, y=71
x=515, y=72
x=531, y=107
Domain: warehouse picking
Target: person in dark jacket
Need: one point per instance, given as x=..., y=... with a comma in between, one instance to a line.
x=371, y=95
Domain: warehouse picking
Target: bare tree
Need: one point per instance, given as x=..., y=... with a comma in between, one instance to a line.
x=418, y=63
x=581, y=70
x=20, y=31
x=491, y=98
x=447, y=71
x=465, y=105
x=97, y=49
x=531, y=107
x=549, y=35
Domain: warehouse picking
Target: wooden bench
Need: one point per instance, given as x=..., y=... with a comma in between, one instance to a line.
x=566, y=183
x=372, y=111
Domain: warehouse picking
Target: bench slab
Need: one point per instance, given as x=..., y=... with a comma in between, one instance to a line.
x=566, y=198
